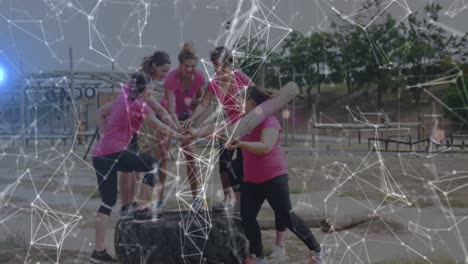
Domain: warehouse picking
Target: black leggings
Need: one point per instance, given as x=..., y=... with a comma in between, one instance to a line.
x=276, y=192
x=127, y=160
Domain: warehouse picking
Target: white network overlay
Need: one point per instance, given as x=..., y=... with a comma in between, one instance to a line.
x=45, y=185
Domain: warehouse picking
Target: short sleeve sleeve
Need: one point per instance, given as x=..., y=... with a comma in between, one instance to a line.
x=200, y=77
x=211, y=87
x=271, y=122
x=244, y=80
x=171, y=81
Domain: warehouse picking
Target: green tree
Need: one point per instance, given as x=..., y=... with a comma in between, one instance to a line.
x=385, y=38
x=255, y=60
x=321, y=53
x=251, y=54
x=456, y=98
x=295, y=52
x=426, y=46
x=349, y=50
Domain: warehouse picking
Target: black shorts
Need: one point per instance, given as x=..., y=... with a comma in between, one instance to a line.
x=133, y=143
x=233, y=167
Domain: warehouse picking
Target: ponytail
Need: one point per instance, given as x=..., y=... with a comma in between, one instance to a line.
x=159, y=58
x=140, y=80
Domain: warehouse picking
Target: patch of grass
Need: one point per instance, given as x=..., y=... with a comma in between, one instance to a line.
x=422, y=203
x=421, y=260
x=6, y=256
x=42, y=256
x=95, y=195
x=360, y=196
x=267, y=250
x=297, y=190
x=378, y=225
x=7, y=201
x=91, y=191
x=14, y=241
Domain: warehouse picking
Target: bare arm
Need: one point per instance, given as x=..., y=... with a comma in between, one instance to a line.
x=267, y=142
x=161, y=112
x=171, y=104
x=102, y=113
x=204, y=131
x=217, y=130
x=201, y=107
x=158, y=125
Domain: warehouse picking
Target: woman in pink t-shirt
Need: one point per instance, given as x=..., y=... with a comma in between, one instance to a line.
x=266, y=178
x=182, y=87
x=113, y=153
x=156, y=66
x=225, y=86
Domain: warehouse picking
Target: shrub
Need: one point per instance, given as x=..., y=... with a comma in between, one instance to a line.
x=457, y=99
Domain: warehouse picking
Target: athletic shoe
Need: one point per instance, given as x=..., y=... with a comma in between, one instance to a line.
x=318, y=258
x=252, y=259
x=145, y=215
x=159, y=208
x=197, y=205
x=225, y=205
x=101, y=257
x=278, y=255
x=128, y=212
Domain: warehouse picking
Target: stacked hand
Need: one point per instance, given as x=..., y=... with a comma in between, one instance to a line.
x=187, y=123
x=188, y=134
x=233, y=144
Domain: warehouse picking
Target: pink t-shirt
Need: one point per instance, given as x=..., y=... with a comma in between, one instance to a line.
x=124, y=121
x=183, y=99
x=232, y=107
x=261, y=168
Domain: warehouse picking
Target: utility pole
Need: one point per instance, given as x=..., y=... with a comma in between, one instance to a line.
x=70, y=91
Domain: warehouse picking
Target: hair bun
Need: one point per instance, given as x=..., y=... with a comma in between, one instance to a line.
x=188, y=47
x=187, y=52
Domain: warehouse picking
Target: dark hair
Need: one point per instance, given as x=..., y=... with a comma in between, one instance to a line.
x=138, y=84
x=258, y=94
x=223, y=53
x=187, y=53
x=159, y=58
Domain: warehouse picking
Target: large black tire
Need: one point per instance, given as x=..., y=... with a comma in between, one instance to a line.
x=163, y=241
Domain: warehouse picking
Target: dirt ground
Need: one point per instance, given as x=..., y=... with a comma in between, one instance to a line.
x=416, y=202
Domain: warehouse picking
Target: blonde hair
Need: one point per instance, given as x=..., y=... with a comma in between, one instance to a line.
x=187, y=53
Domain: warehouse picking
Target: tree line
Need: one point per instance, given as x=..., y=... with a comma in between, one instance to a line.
x=384, y=55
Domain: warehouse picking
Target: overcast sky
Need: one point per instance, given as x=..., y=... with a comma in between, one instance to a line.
x=39, y=33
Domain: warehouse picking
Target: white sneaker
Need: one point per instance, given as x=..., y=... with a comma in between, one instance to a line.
x=278, y=255
x=197, y=206
x=319, y=258
x=159, y=208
